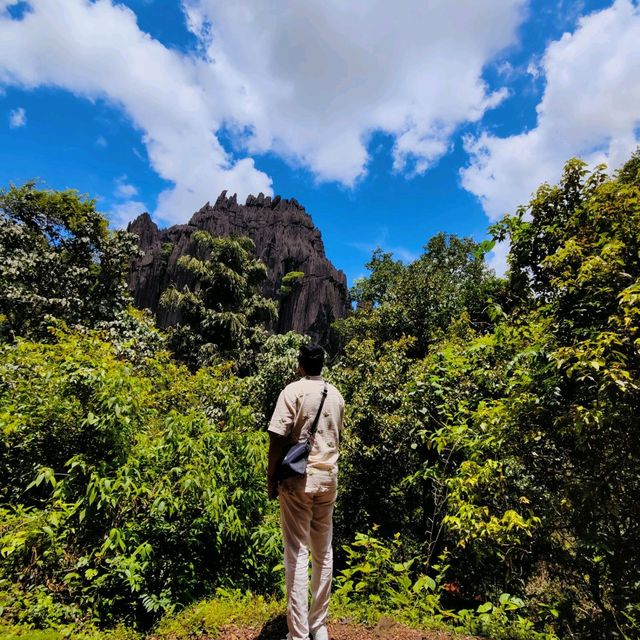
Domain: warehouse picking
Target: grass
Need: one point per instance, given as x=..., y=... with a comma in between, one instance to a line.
x=207, y=617
x=203, y=618
x=25, y=632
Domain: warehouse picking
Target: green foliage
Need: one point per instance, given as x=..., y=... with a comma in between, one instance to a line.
x=503, y=620
x=378, y=580
x=276, y=366
x=506, y=432
x=60, y=400
x=58, y=258
x=290, y=281
x=223, y=311
x=576, y=408
x=421, y=300
x=453, y=486
x=376, y=575
x=125, y=493
x=134, y=336
x=384, y=271
x=374, y=438
x=24, y=632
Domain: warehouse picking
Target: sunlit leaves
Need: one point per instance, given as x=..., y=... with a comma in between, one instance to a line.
x=58, y=259
x=143, y=491
x=515, y=440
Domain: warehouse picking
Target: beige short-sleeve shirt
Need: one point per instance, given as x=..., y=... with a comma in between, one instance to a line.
x=293, y=416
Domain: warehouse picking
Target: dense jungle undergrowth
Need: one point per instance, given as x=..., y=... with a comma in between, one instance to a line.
x=490, y=475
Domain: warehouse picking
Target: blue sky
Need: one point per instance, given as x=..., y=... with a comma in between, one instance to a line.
x=389, y=122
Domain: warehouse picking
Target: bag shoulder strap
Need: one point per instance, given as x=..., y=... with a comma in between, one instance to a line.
x=314, y=426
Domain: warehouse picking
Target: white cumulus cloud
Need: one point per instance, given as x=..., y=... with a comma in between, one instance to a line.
x=96, y=50
x=17, y=118
x=125, y=189
x=312, y=80
x=309, y=81
x=590, y=108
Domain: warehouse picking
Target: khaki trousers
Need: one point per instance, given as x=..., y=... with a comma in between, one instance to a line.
x=306, y=516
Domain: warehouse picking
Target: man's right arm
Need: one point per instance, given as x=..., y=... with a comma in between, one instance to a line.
x=277, y=444
x=279, y=430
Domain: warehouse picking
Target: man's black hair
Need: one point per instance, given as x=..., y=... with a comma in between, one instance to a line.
x=311, y=358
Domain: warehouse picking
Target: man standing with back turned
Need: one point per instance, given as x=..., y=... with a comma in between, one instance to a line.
x=306, y=502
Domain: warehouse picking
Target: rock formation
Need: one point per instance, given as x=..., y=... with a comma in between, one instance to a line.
x=286, y=240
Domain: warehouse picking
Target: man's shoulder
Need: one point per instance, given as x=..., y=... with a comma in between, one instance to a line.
x=295, y=385
x=295, y=388
x=302, y=387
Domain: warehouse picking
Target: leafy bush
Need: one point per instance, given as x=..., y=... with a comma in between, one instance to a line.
x=134, y=493
x=134, y=336
x=60, y=400
x=276, y=366
x=378, y=580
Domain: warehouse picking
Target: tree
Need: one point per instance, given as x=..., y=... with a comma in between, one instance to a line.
x=575, y=407
x=135, y=492
x=422, y=299
x=514, y=443
x=223, y=311
x=384, y=271
x=58, y=258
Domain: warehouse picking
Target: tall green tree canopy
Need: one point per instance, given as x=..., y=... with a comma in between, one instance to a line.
x=421, y=299
x=58, y=258
x=577, y=246
x=513, y=444
x=384, y=271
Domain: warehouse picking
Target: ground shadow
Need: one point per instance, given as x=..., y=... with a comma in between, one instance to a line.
x=274, y=629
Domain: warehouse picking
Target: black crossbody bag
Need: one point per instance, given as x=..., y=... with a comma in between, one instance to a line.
x=294, y=462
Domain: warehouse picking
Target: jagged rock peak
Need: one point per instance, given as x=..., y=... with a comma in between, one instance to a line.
x=259, y=209
x=225, y=202
x=142, y=221
x=146, y=230
x=260, y=201
x=286, y=240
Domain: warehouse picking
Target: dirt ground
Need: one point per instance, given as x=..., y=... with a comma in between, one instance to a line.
x=385, y=630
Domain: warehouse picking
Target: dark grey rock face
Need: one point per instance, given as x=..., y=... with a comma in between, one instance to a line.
x=286, y=240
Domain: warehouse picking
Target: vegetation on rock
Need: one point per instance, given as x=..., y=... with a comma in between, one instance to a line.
x=224, y=310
